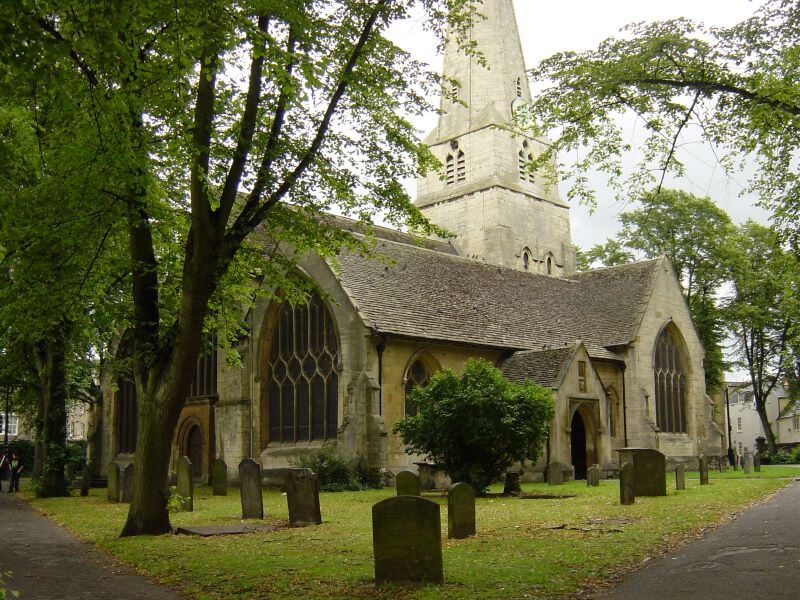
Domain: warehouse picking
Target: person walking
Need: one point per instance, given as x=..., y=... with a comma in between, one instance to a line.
x=16, y=470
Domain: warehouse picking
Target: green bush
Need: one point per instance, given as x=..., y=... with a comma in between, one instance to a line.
x=333, y=472
x=477, y=425
x=24, y=449
x=782, y=457
x=795, y=455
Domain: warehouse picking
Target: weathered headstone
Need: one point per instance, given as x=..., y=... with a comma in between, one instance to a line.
x=757, y=462
x=127, y=483
x=511, y=485
x=747, y=462
x=735, y=461
x=302, y=496
x=406, y=540
x=555, y=475
x=219, y=478
x=702, y=465
x=86, y=480
x=460, y=511
x=114, y=491
x=627, y=487
x=185, y=484
x=407, y=484
x=680, y=477
x=649, y=468
x=593, y=475
x=723, y=464
x=250, y=489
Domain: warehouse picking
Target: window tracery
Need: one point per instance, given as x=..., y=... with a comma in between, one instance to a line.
x=670, y=384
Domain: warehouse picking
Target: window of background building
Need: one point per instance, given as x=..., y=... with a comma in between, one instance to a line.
x=738, y=423
x=13, y=424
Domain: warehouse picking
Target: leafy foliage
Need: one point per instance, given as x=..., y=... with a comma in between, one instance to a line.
x=334, y=473
x=478, y=424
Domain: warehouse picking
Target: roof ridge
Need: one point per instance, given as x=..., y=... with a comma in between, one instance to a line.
x=608, y=268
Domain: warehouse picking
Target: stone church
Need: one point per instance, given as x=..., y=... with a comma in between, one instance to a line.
x=617, y=346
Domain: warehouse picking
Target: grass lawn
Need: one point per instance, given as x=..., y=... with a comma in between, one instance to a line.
x=524, y=548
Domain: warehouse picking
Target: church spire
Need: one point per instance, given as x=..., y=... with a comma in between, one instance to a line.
x=491, y=80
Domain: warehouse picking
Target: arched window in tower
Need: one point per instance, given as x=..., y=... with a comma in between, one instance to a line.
x=450, y=169
x=526, y=259
x=461, y=167
x=670, y=383
x=550, y=264
x=302, y=380
x=519, y=87
x=417, y=375
x=525, y=158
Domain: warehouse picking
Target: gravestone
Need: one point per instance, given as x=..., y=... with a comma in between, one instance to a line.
x=757, y=462
x=555, y=476
x=680, y=477
x=735, y=461
x=185, y=484
x=407, y=484
x=406, y=540
x=593, y=475
x=649, y=470
x=461, y=511
x=627, y=481
x=114, y=491
x=723, y=464
x=85, y=480
x=302, y=496
x=511, y=485
x=219, y=478
x=127, y=483
x=702, y=464
x=747, y=462
x=250, y=489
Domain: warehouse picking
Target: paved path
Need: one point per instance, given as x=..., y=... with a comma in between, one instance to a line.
x=756, y=556
x=49, y=563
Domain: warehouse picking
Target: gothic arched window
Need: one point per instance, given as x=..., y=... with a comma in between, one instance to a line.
x=550, y=264
x=670, y=384
x=526, y=260
x=417, y=375
x=525, y=158
x=455, y=165
x=302, y=381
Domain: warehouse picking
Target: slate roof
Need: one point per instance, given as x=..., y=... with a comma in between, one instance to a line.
x=543, y=367
x=426, y=294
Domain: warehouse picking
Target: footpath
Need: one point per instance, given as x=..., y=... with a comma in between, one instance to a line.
x=755, y=556
x=47, y=562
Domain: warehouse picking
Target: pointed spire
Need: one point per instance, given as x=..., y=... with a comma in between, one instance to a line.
x=488, y=89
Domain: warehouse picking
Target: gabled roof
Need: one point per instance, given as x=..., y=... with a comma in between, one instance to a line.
x=543, y=367
x=427, y=294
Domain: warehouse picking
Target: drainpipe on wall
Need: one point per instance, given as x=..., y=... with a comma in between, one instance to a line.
x=624, y=409
x=380, y=348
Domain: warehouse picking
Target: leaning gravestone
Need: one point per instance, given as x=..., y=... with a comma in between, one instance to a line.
x=757, y=462
x=406, y=540
x=649, y=468
x=555, y=475
x=250, y=489
x=593, y=475
x=511, y=485
x=114, y=491
x=460, y=511
x=702, y=463
x=127, y=483
x=219, y=478
x=407, y=484
x=185, y=484
x=680, y=477
x=86, y=480
x=747, y=462
x=627, y=484
x=302, y=496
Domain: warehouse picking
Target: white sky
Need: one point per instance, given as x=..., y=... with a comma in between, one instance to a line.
x=550, y=26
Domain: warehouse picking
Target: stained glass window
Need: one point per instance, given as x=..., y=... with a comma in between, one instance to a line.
x=670, y=384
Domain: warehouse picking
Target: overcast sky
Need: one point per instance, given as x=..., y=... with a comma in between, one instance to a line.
x=550, y=26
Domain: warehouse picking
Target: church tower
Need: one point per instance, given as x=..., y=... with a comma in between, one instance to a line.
x=500, y=212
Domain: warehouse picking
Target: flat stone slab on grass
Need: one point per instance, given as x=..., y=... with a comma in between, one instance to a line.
x=546, y=496
x=235, y=529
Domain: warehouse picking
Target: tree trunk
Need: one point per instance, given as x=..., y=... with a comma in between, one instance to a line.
x=94, y=437
x=761, y=409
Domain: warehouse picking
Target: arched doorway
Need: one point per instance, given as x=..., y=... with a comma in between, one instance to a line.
x=194, y=450
x=578, y=445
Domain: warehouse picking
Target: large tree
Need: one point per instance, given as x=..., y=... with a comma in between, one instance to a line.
x=737, y=86
x=223, y=119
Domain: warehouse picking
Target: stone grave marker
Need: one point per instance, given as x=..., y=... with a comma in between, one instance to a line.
x=127, y=483
x=702, y=465
x=627, y=487
x=555, y=475
x=250, y=489
x=219, y=478
x=114, y=491
x=461, y=511
x=757, y=462
x=86, y=480
x=593, y=475
x=649, y=468
x=680, y=477
x=723, y=464
x=302, y=496
x=511, y=485
x=406, y=540
x=185, y=484
x=747, y=463
x=407, y=484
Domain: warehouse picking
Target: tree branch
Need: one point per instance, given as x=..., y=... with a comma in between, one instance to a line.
x=50, y=28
